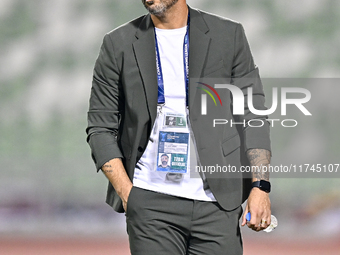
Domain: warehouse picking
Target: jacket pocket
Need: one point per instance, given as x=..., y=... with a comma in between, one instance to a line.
x=130, y=197
x=231, y=144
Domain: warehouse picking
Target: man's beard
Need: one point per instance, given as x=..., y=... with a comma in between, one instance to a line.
x=161, y=8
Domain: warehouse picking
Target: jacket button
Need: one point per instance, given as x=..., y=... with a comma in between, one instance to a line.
x=140, y=149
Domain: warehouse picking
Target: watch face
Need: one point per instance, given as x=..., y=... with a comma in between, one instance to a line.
x=265, y=186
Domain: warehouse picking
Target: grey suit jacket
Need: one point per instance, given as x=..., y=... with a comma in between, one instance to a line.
x=123, y=101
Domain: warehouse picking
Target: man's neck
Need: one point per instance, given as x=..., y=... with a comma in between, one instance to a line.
x=175, y=17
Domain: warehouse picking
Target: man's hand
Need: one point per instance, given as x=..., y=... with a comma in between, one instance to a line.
x=115, y=172
x=125, y=196
x=259, y=207
x=258, y=201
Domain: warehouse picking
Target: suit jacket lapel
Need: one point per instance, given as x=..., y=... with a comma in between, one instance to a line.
x=144, y=49
x=198, y=48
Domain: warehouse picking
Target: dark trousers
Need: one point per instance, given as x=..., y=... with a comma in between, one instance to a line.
x=160, y=224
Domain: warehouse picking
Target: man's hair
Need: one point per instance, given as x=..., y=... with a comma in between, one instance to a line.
x=165, y=155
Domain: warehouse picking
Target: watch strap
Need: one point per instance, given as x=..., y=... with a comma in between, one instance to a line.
x=262, y=185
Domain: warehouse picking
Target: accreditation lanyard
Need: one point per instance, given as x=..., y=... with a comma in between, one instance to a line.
x=160, y=81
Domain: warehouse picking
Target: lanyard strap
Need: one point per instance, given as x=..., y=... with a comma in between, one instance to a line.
x=160, y=81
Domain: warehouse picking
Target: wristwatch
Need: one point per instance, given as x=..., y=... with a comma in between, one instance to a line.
x=262, y=185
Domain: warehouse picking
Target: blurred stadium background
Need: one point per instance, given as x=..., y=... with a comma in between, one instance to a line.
x=52, y=199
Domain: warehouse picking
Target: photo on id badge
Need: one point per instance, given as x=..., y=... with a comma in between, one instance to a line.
x=164, y=160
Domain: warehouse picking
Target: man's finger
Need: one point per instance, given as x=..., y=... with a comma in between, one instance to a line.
x=264, y=224
x=256, y=222
x=244, y=220
x=251, y=220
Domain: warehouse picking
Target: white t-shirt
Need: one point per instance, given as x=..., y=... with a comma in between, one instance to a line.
x=170, y=47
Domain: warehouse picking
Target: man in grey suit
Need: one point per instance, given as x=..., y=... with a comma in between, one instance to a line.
x=142, y=78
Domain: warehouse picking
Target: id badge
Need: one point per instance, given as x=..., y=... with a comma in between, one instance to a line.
x=173, y=145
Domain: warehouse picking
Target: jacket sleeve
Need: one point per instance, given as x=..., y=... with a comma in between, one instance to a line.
x=245, y=74
x=105, y=107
